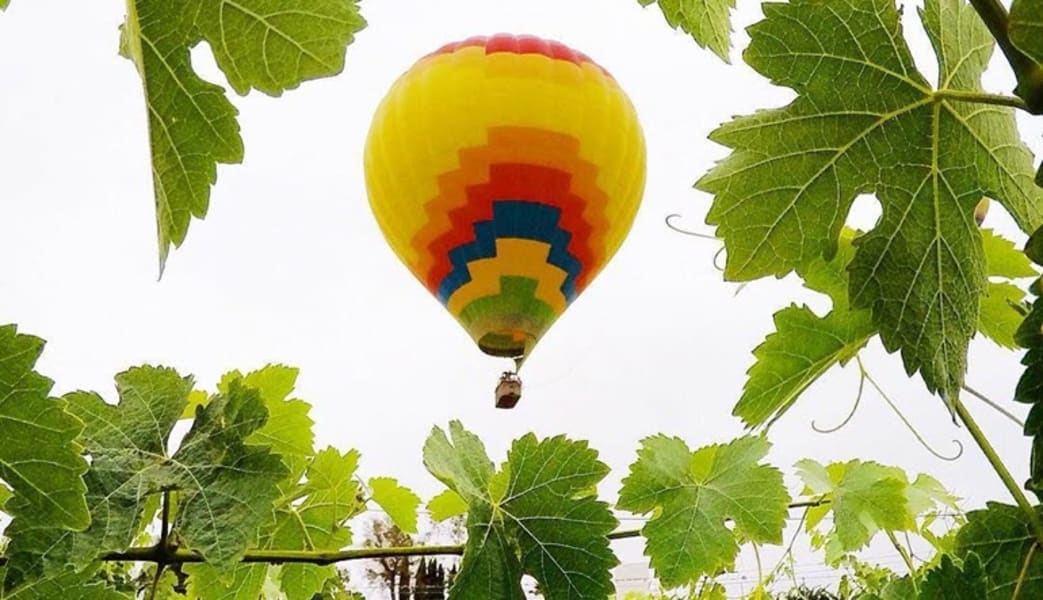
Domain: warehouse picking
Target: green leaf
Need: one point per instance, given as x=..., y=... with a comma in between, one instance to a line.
x=804, y=345
x=312, y=517
x=66, y=585
x=196, y=399
x=39, y=454
x=949, y=582
x=1026, y=27
x=693, y=494
x=864, y=497
x=398, y=501
x=1001, y=304
x=446, y=505
x=865, y=121
x=225, y=488
x=288, y=430
x=1002, y=538
x=1003, y=258
x=244, y=582
x=268, y=45
x=1029, y=390
x=898, y=588
x=999, y=319
x=5, y=495
x=546, y=522
x=707, y=21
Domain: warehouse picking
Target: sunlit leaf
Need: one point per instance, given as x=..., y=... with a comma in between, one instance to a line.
x=694, y=494
x=446, y=505
x=398, y=501
x=707, y=21
x=863, y=498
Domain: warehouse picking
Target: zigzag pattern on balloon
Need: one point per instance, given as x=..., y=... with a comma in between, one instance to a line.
x=523, y=164
x=505, y=172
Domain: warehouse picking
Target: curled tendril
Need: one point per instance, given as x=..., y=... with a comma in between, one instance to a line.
x=850, y=414
x=716, y=258
x=684, y=231
x=909, y=426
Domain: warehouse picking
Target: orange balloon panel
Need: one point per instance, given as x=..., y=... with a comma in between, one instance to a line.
x=505, y=172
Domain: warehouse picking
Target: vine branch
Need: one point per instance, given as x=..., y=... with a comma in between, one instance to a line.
x=164, y=554
x=1028, y=73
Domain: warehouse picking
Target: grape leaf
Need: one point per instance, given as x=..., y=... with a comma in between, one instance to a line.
x=398, y=501
x=66, y=585
x=1003, y=258
x=267, y=45
x=311, y=516
x=707, y=21
x=1002, y=538
x=537, y=516
x=898, y=588
x=39, y=453
x=288, y=430
x=866, y=121
x=864, y=497
x=446, y=505
x=693, y=494
x=949, y=582
x=1030, y=385
x=243, y=582
x=224, y=487
x=1001, y=304
x=999, y=319
x=1026, y=27
x=1026, y=33
x=805, y=346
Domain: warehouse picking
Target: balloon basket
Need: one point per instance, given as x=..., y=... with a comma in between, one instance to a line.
x=508, y=390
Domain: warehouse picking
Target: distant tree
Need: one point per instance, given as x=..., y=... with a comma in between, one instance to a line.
x=393, y=571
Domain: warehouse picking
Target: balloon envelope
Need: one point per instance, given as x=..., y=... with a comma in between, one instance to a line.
x=505, y=172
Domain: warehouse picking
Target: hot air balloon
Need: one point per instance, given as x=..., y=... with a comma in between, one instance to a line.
x=505, y=172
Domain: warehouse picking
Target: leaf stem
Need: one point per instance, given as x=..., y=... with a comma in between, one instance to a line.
x=982, y=98
x=997, y=465
x=1028, y=73
x=908, y=560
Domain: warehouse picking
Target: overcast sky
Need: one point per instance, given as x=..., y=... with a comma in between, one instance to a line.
x=291, y=267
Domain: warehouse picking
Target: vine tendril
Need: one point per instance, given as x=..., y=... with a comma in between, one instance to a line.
x=850, y=414
x=996, y=407
x=905, y=421
x=684, y=231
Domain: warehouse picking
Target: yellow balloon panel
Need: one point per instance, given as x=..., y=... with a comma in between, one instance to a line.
x=505, y=172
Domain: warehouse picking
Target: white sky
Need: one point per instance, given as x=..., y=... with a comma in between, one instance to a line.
x=290, y=266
